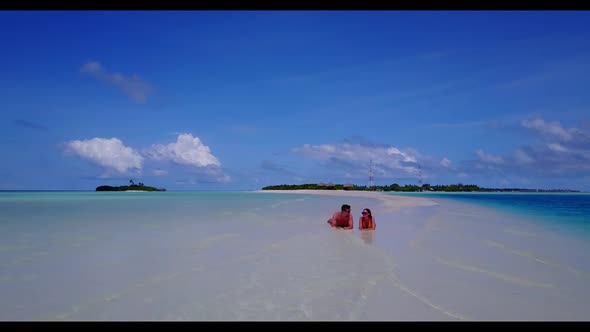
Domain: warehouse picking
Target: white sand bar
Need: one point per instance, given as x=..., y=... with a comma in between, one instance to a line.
x=271, y=256
x=390, y=202
x=447, y=261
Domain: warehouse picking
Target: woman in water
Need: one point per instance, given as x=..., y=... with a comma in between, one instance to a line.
x=367, y=221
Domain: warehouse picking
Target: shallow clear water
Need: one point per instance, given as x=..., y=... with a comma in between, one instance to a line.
x=562, y=212
x=270, y=256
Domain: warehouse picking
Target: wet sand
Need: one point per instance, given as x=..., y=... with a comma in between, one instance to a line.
x=391, y=203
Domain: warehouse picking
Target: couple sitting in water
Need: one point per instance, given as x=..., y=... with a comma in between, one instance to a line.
x=343, y=219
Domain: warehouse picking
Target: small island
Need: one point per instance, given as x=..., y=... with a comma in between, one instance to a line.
x=408, y=188
x=131, y=187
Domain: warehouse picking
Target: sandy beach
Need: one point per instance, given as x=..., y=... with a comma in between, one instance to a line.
x=452, y=261
x=269, y=255
x=391, y=203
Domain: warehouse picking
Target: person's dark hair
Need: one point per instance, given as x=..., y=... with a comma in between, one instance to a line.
x=345, y=207
x=368, y=210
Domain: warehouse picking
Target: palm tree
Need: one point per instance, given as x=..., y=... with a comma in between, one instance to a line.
x=131, y=181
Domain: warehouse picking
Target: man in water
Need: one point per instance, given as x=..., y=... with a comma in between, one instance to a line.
x=342, y=219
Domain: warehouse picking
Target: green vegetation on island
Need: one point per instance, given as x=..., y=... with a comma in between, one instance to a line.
x=135, y=187
x=406, y=188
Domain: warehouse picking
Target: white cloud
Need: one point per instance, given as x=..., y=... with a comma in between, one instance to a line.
x=159, y=172
x=354, y=152
x=187, y=150
x=445, y=163
x=552, y=129
x=214, y=177
x=108, y=153
x=529, y=80
x=319, y=152
x=568, y=154
x=522, y=157
x=406, y=157
x=355, y=158
x=556, y=147
x=211, y=174
x=461, y=124
x=224, y=178
x=119, y=159
x=489, y=158
x=92, y=68
x=136, y=88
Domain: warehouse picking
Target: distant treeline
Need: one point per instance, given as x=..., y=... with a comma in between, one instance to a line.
x=131, y=187
x=405, y=188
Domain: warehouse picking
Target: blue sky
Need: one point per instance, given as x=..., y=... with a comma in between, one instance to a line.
x=237, y=100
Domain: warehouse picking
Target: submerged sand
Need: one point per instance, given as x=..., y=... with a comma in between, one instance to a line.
x=453, y=261
x=391, y=203
x=259, y=257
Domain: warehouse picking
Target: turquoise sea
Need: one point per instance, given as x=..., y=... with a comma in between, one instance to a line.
x=271, y=256
x=560, y=212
